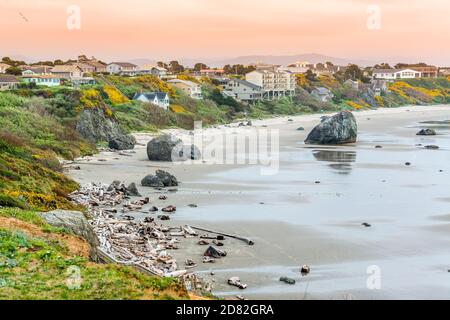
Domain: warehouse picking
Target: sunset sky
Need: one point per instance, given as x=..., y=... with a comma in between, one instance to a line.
x=411, y=30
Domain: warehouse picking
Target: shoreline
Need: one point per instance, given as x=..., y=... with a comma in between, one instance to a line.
x=215, y=192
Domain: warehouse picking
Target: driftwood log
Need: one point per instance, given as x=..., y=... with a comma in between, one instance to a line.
x=246, y=240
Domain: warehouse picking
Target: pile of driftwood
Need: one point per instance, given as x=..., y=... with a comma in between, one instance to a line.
x=144, y=244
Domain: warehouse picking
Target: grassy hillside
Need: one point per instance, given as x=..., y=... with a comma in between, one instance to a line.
x=31, y=140
x=38, y=261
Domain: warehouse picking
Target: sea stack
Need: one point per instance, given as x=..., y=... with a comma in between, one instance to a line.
x=338, y=129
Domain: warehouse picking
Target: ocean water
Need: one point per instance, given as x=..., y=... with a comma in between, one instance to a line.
x=408, y=208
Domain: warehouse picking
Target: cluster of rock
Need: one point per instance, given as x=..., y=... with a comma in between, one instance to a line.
x=160, y=179
x=130, y=191
x=338, y=129
x=170, y=148
x=426, y=132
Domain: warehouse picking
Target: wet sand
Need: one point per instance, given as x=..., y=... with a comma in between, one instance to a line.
x=294, y=220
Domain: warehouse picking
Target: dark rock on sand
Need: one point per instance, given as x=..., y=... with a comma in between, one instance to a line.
x=132, y=190
x=338, y=129
x=214, y=252
x=169, y=148
x=287, y=280
x=426, y=132
x=432, y=147
x=186, y=152
x=161, y=148
x=123, y=142
x=152, y=181
x=166, y=178
x=159, y=180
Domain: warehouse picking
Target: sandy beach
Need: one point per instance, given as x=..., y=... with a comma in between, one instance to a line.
x=311, y=211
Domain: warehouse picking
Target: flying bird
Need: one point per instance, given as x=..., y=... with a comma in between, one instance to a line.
x=23, y=17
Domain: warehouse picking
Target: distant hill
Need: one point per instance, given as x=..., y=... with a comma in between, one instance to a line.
x=289, y=59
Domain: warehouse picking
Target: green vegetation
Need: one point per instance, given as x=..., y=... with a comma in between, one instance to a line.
x=39, y=262
x=31, y=140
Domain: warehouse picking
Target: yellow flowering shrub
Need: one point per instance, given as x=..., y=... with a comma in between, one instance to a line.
x=328, y=81
x=379, y=100
x=37, y=200
x=90, y=98
x=354, y=105
x=301, y=80
x=114, y=95
x=357, y=105
x=177, y=108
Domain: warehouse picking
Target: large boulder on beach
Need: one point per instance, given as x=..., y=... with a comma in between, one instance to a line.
x=75, y=222
x=338, y=129
x=123, y=142
x=161, y=148
x=169, y=148
x=186, y=152
x=426, y=132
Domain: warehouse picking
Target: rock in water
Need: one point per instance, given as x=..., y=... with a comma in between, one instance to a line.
x=426, y=132
x=123, y=142
x=77, y=223
x=338, y=129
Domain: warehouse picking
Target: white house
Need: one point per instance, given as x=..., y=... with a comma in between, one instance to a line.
x=192, y=89
x=243, y=90
x=161, y=99
x=124, y=68
x=157, y=71
x=394, y=74
x=43, y=80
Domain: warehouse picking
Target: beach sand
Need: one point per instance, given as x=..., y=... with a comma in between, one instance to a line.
x=295, y=221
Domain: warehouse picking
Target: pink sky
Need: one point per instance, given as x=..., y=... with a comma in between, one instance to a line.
x=164, y=29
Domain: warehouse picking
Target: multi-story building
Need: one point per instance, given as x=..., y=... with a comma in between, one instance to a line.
x=192, y=89
x=274, y=84
x=243, y=90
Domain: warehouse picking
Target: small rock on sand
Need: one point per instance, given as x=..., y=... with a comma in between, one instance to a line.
x=426, y=132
